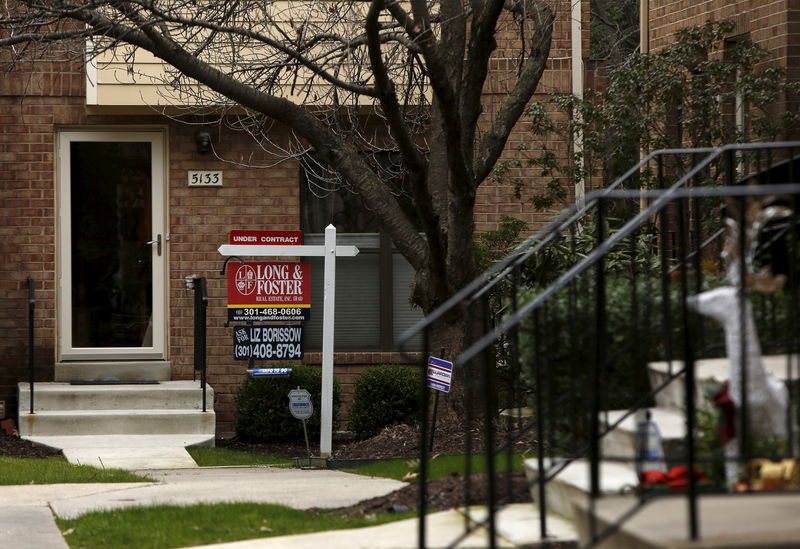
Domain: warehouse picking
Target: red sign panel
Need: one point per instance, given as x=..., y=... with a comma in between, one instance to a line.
x=269, y=285
x=266, y=238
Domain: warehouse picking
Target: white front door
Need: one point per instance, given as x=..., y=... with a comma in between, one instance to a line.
x=112, y=245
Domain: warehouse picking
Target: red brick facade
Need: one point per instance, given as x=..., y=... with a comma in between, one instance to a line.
x=37, y=102
x=772, y=24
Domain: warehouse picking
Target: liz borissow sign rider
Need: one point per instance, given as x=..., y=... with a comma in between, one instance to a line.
x=269, y=292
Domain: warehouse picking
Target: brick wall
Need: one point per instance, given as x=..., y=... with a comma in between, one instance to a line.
x=35, y=104
x=499, y=198
x=772, y=24
x=28, y=114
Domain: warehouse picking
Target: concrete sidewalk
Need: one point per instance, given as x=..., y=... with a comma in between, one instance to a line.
x=517, y=526
x=26, y=512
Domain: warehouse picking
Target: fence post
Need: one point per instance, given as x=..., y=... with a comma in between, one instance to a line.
x=423, y=440
x=599, y=362
x=688, y=352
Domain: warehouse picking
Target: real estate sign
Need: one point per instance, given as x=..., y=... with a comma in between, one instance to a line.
x=269, y=291
x=266, y=238
x=268, y=342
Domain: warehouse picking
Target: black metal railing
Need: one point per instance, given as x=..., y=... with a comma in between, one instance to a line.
x=31, y=315
x=573, y=317
x=200, y=287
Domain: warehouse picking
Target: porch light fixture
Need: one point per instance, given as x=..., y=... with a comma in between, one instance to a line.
x=203, y=140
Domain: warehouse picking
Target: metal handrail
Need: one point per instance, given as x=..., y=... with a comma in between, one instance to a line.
x=662, y=198
x=571, y=214
x=31, y=310
x=479, y=287
x=536, y=241
x=200, y=288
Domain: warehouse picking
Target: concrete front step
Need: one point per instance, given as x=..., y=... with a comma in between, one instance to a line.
x=620, y=442
x=131, y=452
x=571, y=485
x=725, y=521
x=164, y=395
x=708, y=373
x=125, y=370
x=116, y=422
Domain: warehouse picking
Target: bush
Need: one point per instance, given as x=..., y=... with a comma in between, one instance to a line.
x=385, y=395
x=262, y=406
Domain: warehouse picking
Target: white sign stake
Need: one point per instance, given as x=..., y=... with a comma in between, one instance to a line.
x=326, y=418
x=329, y=251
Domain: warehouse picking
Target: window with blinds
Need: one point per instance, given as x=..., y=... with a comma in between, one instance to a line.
x=373, y=289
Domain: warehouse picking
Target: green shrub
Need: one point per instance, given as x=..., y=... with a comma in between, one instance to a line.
x=262, y=406
x=385, y=395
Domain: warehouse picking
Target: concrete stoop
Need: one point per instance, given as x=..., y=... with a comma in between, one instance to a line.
x=571, y=486
x=127, y=426
x=709, y=373
x=726, y=521
x=745, y=521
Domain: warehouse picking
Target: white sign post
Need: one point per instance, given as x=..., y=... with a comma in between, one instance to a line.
x=329, y=251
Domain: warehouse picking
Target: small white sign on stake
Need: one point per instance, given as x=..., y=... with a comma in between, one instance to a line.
x=440, y=374
x=300, y=404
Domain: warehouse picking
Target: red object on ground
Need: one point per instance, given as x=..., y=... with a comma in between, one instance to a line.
x=675, y=479
x=9, y=427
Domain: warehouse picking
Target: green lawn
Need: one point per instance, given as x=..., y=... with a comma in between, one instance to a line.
x=438, y=467
x=218, y=457
x=165, y=527
x=57, y=470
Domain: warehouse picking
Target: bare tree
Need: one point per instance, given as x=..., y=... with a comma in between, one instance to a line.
x=418, y=68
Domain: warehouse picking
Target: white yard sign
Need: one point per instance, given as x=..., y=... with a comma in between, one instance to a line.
x=329, y=251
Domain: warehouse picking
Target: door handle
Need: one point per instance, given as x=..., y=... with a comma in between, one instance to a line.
x=157, y=242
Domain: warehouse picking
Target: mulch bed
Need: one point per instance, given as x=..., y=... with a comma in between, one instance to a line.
x=13, y=446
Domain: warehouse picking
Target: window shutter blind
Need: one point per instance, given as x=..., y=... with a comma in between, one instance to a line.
x=357, y=318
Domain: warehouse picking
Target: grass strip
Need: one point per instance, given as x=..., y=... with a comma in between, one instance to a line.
x=169, y=526
x=221, y=457
x=438, y=467
x=57, y=470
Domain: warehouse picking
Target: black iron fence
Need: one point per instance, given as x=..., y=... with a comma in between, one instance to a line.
x=577, y=317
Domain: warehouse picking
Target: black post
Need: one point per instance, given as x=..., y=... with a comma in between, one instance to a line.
x=599, y=362
x=200, y=305
x=666, y=316
x=742, y=305
x=433, y=420
x=31, y=306
x=490, y=407
x=688, y=352
x=537, y=367
x=423, y=434
x=435, y=407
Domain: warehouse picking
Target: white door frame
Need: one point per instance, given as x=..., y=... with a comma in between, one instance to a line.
x=66, y=351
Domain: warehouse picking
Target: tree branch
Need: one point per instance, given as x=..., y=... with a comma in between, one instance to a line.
x=443, y=88
x=386, y=92
x=292, y=53
x=481, y=45
x=494, y=141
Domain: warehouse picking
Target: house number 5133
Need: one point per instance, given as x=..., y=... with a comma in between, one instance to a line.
x=205, y=178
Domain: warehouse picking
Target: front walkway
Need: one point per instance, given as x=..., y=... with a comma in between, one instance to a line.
x=26, y=512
